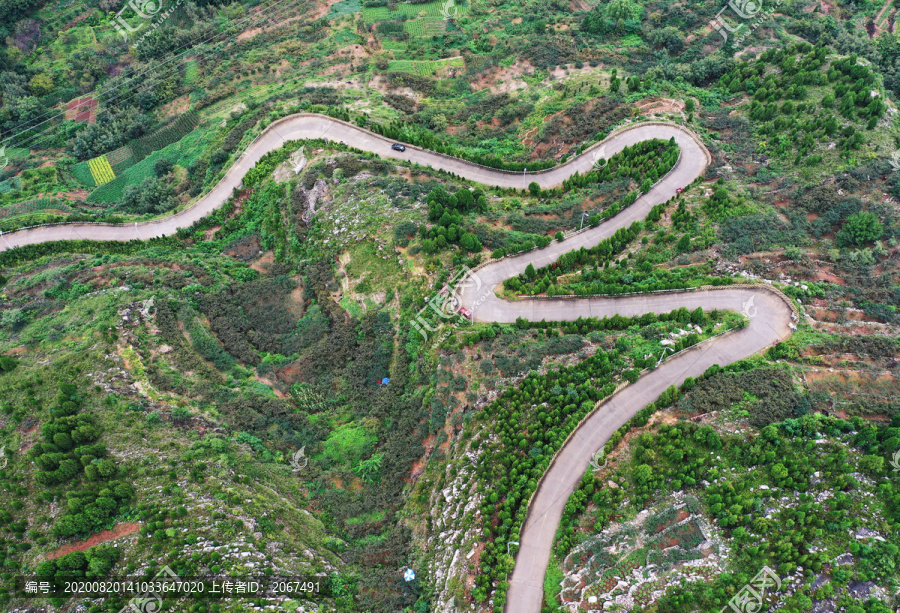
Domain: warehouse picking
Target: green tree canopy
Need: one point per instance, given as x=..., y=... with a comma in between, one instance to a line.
x=859, y=229
x=623, y=9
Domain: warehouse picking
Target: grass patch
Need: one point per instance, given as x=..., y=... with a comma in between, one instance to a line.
x=344, y=7
x=380, y=273
x=552, y=581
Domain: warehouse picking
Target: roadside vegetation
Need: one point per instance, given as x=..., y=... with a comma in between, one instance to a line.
x=159, y=390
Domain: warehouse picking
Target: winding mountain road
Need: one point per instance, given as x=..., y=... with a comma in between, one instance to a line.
x=769, y=310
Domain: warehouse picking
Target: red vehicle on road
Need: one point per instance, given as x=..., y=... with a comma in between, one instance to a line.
x=465, y=313
x=679, y=190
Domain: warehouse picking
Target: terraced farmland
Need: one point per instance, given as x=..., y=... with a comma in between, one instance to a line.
x=425, y=68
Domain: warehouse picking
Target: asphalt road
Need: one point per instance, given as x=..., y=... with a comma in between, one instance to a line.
x=769, y=324
x=303, y=126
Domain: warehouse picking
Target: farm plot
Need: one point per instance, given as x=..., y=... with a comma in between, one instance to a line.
x=425, y=68
x=101, y=170
x=82, y=172
x=107, y=168
x=429, y=19
x=181, y=153
x=121, y=158
x=82, y=109
x=171, y=132
x=45, y=205
x=191, y=72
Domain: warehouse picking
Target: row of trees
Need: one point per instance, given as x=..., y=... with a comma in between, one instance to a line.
x=600, y=254
x=447, y=211
x=644, y=162
x=421, y=137
x=69, y=448
x=532, y=422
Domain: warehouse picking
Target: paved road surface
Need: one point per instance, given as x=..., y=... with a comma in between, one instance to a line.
x=302, y=126
x=769, y=325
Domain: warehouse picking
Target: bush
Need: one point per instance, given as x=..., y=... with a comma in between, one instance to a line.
x=151, y=196
x=162, y=167
x=860, y=229
x=7, y=363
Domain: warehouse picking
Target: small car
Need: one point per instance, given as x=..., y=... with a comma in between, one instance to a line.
x=679, y=190
x=465, y=313
x=398, y=147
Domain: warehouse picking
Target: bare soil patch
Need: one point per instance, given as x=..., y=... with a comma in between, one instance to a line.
x=263, y=264
x=120, y=530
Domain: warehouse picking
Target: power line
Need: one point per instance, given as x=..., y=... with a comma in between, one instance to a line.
x=138, y=76
x=192, y=44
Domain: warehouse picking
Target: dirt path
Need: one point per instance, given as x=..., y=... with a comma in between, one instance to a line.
x=120, y=530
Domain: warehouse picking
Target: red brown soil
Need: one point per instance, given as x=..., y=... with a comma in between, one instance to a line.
x=419, y=465
x=263, y=263
x=509, y=79
x=76, y=195
x=847, y=376
x=81, y=109
x=248, y=33
x=179, y=106
x=291, y=373
x=120, y=530
x=823, y=275
x=660, y=105
x=682, y=515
